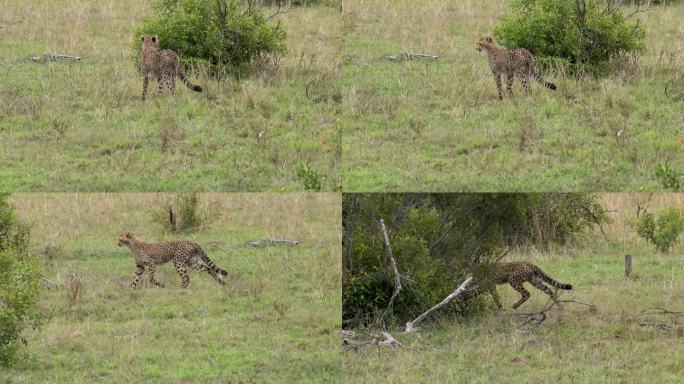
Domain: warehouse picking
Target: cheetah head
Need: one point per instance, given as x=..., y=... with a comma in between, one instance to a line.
x=150, y=40
x=126, y=239
x=485, y=43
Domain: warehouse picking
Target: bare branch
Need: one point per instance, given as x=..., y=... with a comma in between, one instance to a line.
x=397, y=276
x=411, y=325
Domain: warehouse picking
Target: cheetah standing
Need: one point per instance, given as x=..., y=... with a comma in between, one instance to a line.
x=182, y=253
x=164, y=65
x=511, y=62
x=517, y=272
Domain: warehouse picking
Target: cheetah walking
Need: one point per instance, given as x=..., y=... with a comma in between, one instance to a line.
x=511, y=62
x=182, y=253
x=516, y=273
x=164, y=65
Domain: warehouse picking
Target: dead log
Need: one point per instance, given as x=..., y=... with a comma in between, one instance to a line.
x=406, y=56
x=271, y=242
x=47, y=56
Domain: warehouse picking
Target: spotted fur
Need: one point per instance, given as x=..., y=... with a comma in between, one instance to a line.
x=517, y=62
x=164, y=65
x=182, y=253
x=518, y=272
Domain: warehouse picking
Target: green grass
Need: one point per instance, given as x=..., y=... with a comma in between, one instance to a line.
x=602, y=346
x=276, y=320
x=438, y=125
x=81, y=126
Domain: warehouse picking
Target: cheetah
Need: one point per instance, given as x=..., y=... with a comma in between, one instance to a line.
x=164, y=65
x=518, y=272
x=182, y=253
x=511, y=62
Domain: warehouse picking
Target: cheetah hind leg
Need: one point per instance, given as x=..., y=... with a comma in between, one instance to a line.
x=197, y=264
x=539, y=284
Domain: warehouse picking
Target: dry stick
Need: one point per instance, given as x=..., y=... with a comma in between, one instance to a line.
x=397, y=276
x=538, y=317
x=411, y=325
x=267, y=241
x=653, y=312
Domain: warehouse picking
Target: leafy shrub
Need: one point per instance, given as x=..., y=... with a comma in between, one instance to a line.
x=583, y=35
x=439, y=239
x=310, y=178
x=668, y=177
x=19, y=282
x=224, y=34
x=663, y=232
x=181, y=213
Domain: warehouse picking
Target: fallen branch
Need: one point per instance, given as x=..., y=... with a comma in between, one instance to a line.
x=411, y=325
x=538, y=317
x=397, y=276
x=53, y=57
x=406, y=56
x=646, y=322
x=267, y=241
x=384, y=339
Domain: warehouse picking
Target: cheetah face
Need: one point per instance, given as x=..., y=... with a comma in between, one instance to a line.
x=484, y=43
x=150, y=40
x=125, y=239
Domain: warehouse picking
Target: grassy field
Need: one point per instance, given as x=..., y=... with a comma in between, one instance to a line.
x=605, y=345
x=276, y=320
x=438, y=125
x=81, y=126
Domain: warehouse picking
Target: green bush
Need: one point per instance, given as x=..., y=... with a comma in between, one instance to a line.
x=223, y=34
x=19, y=282
x=438, y=239
x=663, y=232
x=582, y=35
x=181, y=213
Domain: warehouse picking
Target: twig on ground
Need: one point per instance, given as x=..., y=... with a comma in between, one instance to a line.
x=538, y=317
x=267, y=241
x=406, y=56
x=643, y=320
x=47, y=56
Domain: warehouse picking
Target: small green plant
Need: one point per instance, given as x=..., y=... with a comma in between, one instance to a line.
x=310, y=178
x=668, y=177
x=19, y=281
x=664, y=231
x=224, y=34
x=583, y=35
x=181, y=213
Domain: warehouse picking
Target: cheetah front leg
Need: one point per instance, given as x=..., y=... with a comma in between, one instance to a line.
x=151, y=270
x=138, y=274
x=185, y=279
x=509, y=77
x=525, y=294
x=146, y=81
x=497, y=77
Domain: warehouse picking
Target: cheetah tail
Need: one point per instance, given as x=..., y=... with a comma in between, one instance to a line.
x=187, y=82
x=213, y=268
x=543, y=82
x=551, y=281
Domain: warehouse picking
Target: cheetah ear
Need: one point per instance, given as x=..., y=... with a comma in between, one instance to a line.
x=155, y=38
x=489, y=39
x=142, y=38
